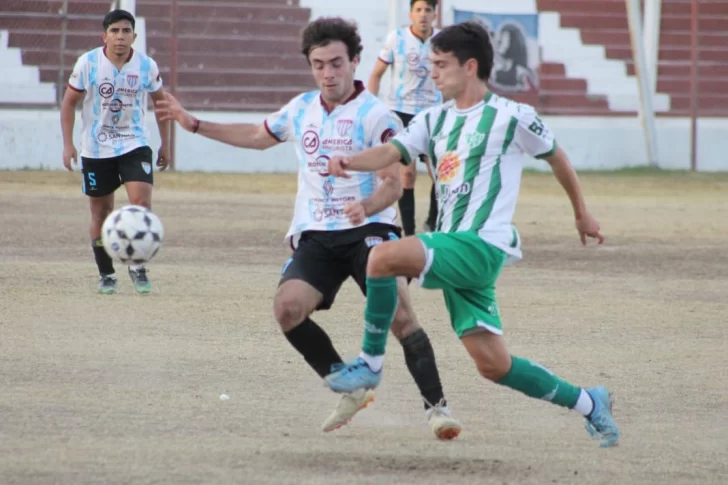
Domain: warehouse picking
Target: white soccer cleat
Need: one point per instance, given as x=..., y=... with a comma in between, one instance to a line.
x=442, y=423
x=348, y=406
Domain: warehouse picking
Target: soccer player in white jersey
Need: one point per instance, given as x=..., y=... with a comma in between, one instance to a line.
x=412, y=90
x=479, y=141
x=336, y=222
x=113, y=82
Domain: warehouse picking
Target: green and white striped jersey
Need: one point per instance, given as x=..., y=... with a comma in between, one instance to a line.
x=477, y=155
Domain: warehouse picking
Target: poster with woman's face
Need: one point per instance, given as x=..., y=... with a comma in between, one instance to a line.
x=515, y=49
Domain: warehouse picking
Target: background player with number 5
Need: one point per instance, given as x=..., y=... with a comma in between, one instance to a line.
x=113, y=82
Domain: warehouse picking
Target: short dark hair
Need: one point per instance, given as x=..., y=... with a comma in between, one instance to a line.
x=117, y=16
x=431, y=3
x=325, y=30
x=467, y=40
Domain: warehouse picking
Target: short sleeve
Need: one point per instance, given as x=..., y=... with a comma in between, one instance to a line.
x=77, y=81
x=278, y=124
x=386, y=54
x=154, y=79
x=384, y=128
x=533, y=136
x=414, y=140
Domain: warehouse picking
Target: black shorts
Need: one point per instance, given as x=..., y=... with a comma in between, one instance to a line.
x=102, y=176
x=406, y=120
x=324, y=259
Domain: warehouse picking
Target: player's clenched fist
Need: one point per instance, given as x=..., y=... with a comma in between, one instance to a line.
x=338, y=166
x=355, y=212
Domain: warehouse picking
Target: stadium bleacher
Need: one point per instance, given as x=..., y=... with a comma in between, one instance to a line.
x=244, y=56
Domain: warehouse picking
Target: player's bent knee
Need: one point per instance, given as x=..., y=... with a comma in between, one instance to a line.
x=289, y=311
x=408, y=180
x=378, y=264
x=492, y=368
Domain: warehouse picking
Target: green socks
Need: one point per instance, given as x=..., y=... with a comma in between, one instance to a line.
x=379, y=313
x=534, y=380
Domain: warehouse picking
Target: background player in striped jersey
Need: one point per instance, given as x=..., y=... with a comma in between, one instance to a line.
x=407, y=51
x=479, y=141
x=113, y=82
x=336, y=222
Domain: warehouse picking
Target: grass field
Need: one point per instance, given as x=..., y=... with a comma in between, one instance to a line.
x=125, y=389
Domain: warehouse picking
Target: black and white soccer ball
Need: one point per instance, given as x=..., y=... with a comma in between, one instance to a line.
x=132, y=234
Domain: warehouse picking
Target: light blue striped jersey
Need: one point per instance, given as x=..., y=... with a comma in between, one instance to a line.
x=412, y=90
x=364, y=121
x=115, y=105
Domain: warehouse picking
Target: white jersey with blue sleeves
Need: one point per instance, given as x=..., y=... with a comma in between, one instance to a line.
x=115, y=105
x=412, y=90
x=364, y=121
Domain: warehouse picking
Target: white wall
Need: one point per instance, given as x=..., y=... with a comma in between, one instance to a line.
x=33, y=139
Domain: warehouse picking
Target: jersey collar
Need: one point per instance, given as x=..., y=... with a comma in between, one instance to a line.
x=131, y=54
x=358, y=89
x=416, y=36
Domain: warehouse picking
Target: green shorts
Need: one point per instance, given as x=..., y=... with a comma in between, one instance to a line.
x=465, y=268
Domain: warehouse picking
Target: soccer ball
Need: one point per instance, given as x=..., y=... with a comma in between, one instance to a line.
x=132, y=234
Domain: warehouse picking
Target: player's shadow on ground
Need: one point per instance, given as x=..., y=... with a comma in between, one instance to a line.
x=404, y=463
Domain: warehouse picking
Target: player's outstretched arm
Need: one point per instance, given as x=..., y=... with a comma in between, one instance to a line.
x=566, y=175
x=371, y=160
x=68, y=120
x=242, y=135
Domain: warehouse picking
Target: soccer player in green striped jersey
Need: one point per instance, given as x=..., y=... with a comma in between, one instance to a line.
x=477, y=142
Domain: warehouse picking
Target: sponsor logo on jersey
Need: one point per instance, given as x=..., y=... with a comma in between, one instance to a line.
x=310, y=142
x=328, y=188
x=319, y=166
x=106, y=90
x=448, y=167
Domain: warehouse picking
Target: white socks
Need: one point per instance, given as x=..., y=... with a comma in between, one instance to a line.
x=375, y=363
x=585, y=404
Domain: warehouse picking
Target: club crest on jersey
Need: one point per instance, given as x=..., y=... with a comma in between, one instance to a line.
x=132, y=80
x=448, y=167
x=474, y=139
x=372, y=241
x=343, y=127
